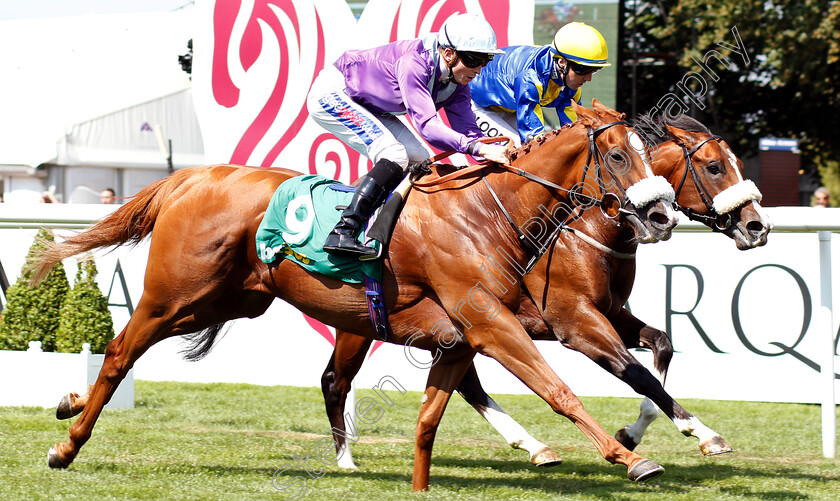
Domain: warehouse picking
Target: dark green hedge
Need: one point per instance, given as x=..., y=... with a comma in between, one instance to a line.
x=62, y=319
x=33, y=314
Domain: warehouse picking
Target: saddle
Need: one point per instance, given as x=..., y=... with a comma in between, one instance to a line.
x=298, y=219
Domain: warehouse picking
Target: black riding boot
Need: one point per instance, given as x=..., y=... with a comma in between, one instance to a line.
x=342, y=239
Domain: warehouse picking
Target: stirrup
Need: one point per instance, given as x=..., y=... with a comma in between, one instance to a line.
x=371, y=257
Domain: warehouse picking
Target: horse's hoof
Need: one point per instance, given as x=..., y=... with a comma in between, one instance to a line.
x=625, y=439
x=716, y=445
x=54, y=461
x=644, y=470
x=546, y=457
x=65, y=408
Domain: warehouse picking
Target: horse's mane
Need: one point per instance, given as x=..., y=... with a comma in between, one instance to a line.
x=652, y=127
x=537, y=141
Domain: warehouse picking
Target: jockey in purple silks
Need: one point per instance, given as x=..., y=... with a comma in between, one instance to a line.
x=359, y=97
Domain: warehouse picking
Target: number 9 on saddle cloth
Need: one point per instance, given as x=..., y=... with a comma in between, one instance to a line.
x=298, y=219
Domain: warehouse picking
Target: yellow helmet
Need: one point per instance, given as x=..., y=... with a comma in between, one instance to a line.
x=582, y=44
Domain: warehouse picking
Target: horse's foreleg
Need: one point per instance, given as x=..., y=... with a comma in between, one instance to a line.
x=444, y=376
x=345, y=362
x=470, y=388
x=614, y=357
x=512, y=347
x=636, y=334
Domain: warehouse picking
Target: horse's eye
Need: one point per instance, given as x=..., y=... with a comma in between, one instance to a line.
x=616, y=159
x=713, y=168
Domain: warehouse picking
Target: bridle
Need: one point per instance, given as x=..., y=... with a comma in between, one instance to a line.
x=594, y=156
x=712, y=218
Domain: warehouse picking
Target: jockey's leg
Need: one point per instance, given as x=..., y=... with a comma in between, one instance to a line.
x=375, y=136
x=383, y=178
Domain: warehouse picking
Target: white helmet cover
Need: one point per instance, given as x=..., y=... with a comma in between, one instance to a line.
x=468, y=33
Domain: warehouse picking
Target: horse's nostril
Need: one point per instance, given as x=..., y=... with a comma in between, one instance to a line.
x=756, y=228
x=659, y=218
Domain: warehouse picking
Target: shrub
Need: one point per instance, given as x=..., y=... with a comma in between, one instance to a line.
x=85, y=317
x=32, y=314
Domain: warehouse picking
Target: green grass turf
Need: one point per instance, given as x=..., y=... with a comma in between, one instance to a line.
x=226, y=441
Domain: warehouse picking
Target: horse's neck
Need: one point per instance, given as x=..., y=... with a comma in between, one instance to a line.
x=560, y=159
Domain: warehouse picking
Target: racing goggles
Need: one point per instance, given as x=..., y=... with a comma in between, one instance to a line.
x=581, y=69
x=474, y=59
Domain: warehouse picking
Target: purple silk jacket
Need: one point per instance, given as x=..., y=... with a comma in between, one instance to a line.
x=404, y=77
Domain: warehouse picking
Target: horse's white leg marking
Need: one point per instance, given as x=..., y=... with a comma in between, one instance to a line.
x=648, y=412
x=511, y=431
x=692, y=427
x=345, y=457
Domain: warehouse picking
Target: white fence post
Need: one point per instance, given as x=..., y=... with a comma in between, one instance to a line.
x=826, y=323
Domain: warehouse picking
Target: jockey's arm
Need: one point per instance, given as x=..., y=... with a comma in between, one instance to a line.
x=529, y=117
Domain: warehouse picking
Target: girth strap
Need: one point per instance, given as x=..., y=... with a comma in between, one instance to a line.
x=376, y=308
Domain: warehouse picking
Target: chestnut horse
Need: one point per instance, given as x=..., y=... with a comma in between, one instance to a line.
x=581, y=290
x=203, y=269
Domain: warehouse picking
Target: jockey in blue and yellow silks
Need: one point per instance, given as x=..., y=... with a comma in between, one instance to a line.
x=518, y=88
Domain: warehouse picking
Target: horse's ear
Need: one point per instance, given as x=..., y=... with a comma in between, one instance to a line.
x=585, y=115
x=681, y=136
x=603, y=110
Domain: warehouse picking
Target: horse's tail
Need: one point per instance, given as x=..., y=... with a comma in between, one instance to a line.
x=129, y=224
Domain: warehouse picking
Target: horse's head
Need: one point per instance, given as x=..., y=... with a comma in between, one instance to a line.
x=646, y=200
x=708, y=179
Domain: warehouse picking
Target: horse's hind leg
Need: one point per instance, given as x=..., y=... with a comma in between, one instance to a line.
x=248, y=304
x=345, y=362
x=635, y=333
x=470, y=388
x=152, y=321
x=144, y=328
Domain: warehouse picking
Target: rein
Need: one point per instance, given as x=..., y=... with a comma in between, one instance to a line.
x=537, y=251
x=594, y=156
x=713, y=218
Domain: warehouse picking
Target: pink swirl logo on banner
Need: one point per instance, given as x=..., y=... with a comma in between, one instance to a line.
x=497, y=13
x=227, y=94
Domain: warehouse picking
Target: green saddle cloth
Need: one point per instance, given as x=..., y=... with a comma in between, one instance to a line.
x=296, y=223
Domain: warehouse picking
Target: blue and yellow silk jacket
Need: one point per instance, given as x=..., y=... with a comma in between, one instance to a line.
x=525, y=80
